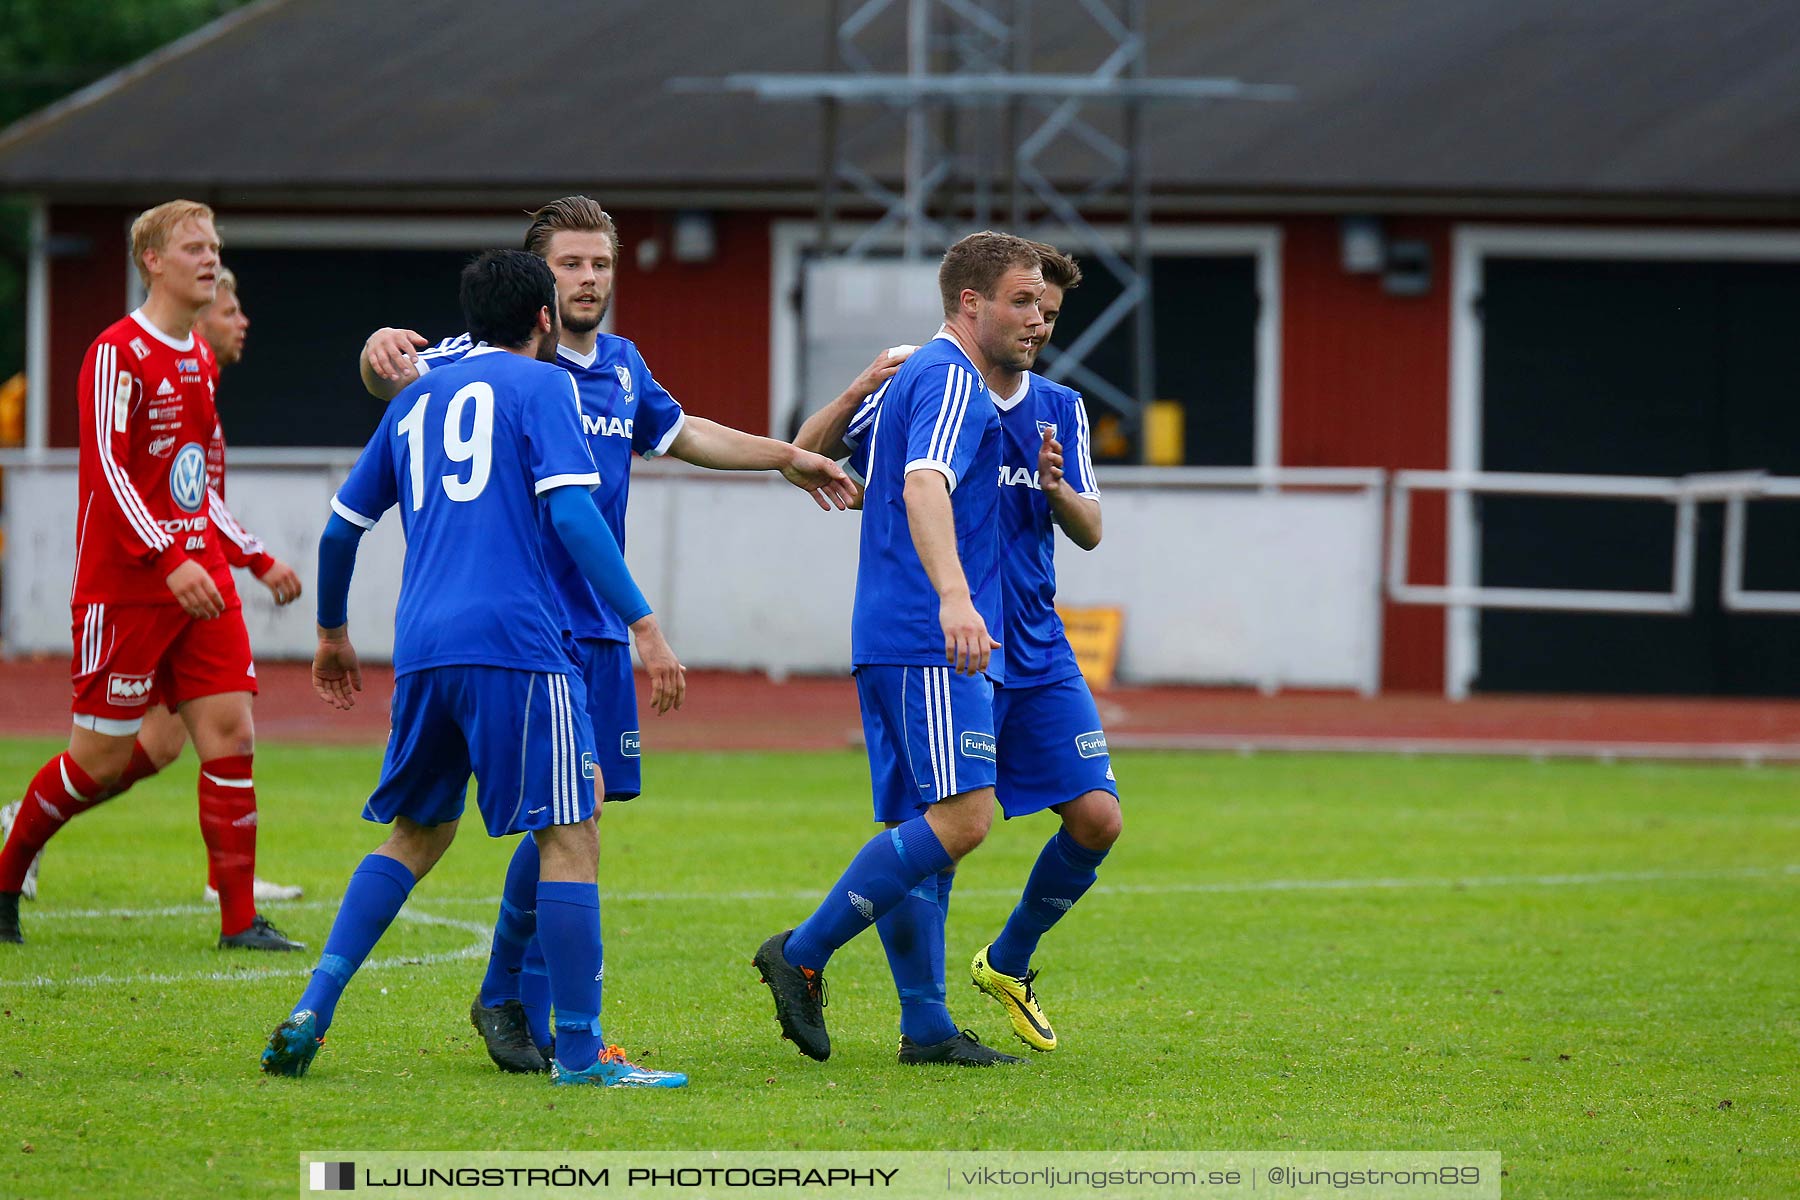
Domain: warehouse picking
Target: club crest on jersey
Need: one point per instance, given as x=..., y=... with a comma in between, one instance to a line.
x=187, y=477
x=624, y=374
x=138, y=348
x=1046, y=427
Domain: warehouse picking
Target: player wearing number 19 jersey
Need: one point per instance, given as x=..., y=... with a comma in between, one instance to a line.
x=625, y=412
x=475, y=456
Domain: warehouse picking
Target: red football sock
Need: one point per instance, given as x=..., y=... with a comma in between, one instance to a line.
x=59, y=791
x=138, y=769
x=228, y=823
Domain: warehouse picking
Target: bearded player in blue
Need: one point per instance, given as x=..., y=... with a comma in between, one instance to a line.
x=1052, y=749
x=477, y=458
x=624, y=412
x=928, y=593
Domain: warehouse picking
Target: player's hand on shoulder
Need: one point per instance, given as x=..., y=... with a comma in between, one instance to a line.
x=668, y=678
x=195, y=591
x=967, y=643
x=886, y=364
x=1050, y=463
x=282, y=581
x=820, y=478
x=336, y=673
x=392, y=353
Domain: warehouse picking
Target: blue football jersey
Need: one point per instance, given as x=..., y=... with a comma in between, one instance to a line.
x=1037, y=649
x=624, y=411
x=936, y=415
x=465, y=452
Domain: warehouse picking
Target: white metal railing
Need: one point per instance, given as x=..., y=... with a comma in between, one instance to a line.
x=1735, y=489
x=1736, y=597
x=1678, y=599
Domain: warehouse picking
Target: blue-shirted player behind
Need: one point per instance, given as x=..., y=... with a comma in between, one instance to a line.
x=928, y=591
x=475, y=456
x=1053, y=752
x=624, y=412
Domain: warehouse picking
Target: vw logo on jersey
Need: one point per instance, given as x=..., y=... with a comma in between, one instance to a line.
x=187, y=477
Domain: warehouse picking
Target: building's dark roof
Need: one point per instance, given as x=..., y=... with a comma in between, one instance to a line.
x=1610, y=100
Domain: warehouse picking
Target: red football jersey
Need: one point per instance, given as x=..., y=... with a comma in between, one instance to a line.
x=147, y=424
x=242, y=548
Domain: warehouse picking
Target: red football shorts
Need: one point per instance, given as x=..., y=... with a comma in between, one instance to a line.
x=130, y=656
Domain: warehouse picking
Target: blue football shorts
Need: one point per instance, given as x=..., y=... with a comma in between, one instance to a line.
x=612, y=704
x=930, y=735
x=1052, y=748
x=524, y=735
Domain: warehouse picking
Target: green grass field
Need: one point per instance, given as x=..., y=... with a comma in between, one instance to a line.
x=1593, y=969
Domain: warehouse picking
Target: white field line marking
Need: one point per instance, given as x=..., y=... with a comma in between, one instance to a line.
x=477, y=949
x=1447, y=882
x=484, y=933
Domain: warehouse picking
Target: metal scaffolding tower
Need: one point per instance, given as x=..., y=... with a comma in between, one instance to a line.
x=978, y=128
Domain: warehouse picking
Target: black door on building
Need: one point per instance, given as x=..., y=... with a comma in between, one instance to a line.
x=1206, y=310
x=309, y=311
x=1637, y=368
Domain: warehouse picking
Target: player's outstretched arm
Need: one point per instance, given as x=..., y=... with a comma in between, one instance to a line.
x=709, y=444
x=244, y=549
x=590, y=543
x=823, y=432
x=389, y=361
x=336, y=673
x=967, y=643
x=1078, y=515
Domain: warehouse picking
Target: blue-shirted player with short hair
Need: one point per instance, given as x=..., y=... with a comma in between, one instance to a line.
x=624, y=412
x=1052, y=748
x=928, y=591
x=476, y=456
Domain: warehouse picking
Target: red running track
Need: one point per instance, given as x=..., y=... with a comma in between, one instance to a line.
x=729, y=711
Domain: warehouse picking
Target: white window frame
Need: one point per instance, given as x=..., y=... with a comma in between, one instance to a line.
x=790, y=239
x=1472, y=245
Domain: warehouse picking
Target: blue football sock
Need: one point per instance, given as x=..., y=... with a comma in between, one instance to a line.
x=888, y=866
x=534, y=994
x=1065, y=870
x=378, y=888
x=944, y=881
x=569, y=929
x=516, y=926
x=912, y=933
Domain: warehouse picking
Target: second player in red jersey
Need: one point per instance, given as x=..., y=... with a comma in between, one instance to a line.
x=156, y=616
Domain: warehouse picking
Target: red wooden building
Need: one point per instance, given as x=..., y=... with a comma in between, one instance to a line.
x=1526, y=237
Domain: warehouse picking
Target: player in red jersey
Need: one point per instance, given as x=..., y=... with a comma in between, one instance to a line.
x=224, y=325
x=156, y=615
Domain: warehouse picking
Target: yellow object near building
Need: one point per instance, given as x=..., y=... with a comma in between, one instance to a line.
x=1165, y=433
x=1095, y=635
x=12, y=411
